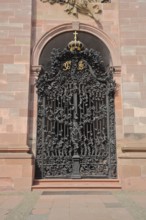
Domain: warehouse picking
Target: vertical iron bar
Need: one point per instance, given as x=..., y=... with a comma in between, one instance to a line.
x=43, y=135
x=108, y=134
x=76, y=157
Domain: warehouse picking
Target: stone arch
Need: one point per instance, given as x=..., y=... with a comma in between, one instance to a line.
x=107, y=41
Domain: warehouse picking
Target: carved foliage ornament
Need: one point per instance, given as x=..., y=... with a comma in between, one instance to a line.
x=90, y=8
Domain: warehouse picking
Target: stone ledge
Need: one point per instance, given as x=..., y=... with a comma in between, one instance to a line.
x=134, y=149
x=16, y=156
x=132, y=155
x=15, y=149
x=117, y=71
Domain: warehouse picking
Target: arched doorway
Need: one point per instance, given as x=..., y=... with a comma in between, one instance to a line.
x=76, y=120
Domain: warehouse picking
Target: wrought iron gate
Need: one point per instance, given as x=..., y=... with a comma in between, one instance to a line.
x=76, y=121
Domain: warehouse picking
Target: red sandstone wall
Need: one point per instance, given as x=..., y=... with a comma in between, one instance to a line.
x=132, y=17
x=16, y=166
x=15, y=40
x=132, y=165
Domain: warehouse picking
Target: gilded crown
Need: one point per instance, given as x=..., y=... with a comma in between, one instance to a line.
x=75, y=44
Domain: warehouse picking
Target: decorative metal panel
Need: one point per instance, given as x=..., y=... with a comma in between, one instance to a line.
x=76, y=119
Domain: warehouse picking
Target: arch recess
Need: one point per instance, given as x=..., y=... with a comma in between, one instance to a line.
x=109, y=43
x=37, y=50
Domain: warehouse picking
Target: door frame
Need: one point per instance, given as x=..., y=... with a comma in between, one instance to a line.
x=35, y=70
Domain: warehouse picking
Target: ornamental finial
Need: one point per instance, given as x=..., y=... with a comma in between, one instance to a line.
x=75, y=44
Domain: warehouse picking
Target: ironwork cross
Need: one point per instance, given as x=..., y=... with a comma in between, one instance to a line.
x=75, y=36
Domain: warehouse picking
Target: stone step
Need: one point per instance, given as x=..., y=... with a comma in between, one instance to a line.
x=67, y=184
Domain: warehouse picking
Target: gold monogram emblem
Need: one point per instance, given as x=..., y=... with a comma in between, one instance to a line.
x=81, y=65
x=67, y=65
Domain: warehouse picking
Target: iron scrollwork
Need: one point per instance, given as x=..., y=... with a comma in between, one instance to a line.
x=76, y=120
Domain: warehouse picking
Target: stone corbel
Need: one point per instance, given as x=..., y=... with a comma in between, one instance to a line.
x=35, y=71
x=117, y=71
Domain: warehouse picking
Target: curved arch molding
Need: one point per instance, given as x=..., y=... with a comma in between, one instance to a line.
x=109, y=43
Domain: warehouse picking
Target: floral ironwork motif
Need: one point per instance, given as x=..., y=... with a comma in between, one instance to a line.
x=76, y=119
x=90, y=8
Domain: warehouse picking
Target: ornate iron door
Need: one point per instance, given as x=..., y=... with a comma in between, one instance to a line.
x=76, y=122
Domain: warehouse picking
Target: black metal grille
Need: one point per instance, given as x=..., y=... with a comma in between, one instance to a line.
x=76, y=122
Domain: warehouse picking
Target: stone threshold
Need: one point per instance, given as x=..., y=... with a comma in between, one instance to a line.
x=74, y=184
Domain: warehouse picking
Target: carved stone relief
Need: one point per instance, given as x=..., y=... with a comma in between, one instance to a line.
x=90, y=8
